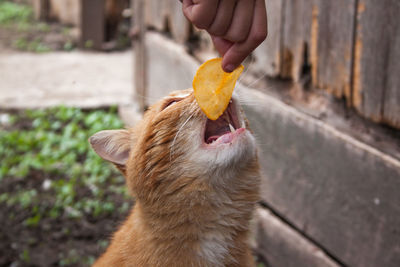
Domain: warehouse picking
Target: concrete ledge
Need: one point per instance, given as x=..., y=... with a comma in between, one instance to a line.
x=80, y=79
x=169, y=67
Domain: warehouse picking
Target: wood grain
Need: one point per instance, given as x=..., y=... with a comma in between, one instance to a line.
x=41, y=9
x=334, y=46
x=281, y=245
x=342, y=193
x=268, y=55
x=92, y=23
x=296, y=36
x=391, y=111
x=156, y=13
x=140, y=69
x=376, y=71
x=179, y=25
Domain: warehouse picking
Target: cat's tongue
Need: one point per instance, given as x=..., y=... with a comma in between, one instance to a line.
x=213, y=138
x=223, y=127
x=215, y=129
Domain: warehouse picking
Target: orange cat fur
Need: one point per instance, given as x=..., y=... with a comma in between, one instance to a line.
x=195, y=183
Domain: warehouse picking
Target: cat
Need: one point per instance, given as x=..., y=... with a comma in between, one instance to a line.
x=195, y=182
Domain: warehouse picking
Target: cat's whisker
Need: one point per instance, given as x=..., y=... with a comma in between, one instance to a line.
x=242, y=96
x=247, y=69
x=247, y=102
x=147, y=97
x=188, y=78
x=250, y=104
x=174, y=140
x=258, y=79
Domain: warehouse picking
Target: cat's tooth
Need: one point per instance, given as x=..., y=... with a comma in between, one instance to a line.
x=243, y=124
x=231, y=127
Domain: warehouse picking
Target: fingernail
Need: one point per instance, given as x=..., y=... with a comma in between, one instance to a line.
x=229, y=68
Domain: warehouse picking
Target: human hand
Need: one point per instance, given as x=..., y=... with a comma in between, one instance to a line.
x=236, y=27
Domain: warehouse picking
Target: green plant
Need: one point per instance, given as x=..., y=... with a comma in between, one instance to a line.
x=68, y=46
x=43, y=27
x=25, y=256
x=14, y=13
x=53, y=147
x=35, y=45
x=28, y=34
x=88, y=44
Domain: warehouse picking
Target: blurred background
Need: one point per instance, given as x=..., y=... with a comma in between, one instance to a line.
x=322, y=94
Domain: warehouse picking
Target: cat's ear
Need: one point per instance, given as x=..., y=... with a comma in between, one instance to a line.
x=113, y=146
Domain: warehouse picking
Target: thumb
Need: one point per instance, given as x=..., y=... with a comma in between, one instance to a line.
x=222, y=45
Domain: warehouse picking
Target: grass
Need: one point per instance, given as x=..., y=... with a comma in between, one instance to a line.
x=34, y=45
x=19, y=17
x=57, y=197
x=52, y=143
x=12, y=13
x=28, y=34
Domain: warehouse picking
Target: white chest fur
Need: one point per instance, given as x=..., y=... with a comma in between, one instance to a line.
x=214, y=248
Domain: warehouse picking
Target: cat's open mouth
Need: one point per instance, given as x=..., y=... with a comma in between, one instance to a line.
x=224, y=128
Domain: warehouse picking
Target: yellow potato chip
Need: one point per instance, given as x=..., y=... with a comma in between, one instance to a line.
x=213, y=87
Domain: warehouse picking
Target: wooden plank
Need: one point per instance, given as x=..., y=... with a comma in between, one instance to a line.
x=92, y=23
x=296, y=37
x=138, y=43
x=268, y=54
x=169, y=67
x=340, y=192
x=179, y=25
x=67, y=12
x=156, y=13
x=334, y=44
x=41, y=9
x=391, y=111
x=281, y=245
x=319, y=34
x=376, y=29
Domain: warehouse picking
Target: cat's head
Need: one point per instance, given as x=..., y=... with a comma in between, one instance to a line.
x=175, y=142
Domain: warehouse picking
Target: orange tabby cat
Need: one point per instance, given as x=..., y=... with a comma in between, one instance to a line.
x=195, y=182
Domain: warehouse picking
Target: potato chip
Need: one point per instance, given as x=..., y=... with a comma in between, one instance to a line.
x=213, y=87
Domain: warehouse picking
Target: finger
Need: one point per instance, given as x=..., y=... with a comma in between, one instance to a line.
x=221, y=44
x=200, y=13
x=223, y=18
x=241, y=21
x=235, y=55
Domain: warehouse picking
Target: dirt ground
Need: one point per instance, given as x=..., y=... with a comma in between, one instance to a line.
x=40, y=228
x=43, y=37
x=58, y=241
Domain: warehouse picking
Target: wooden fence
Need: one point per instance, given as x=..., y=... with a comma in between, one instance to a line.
x=352, y=48
x=97, y=20
x=327, y=198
